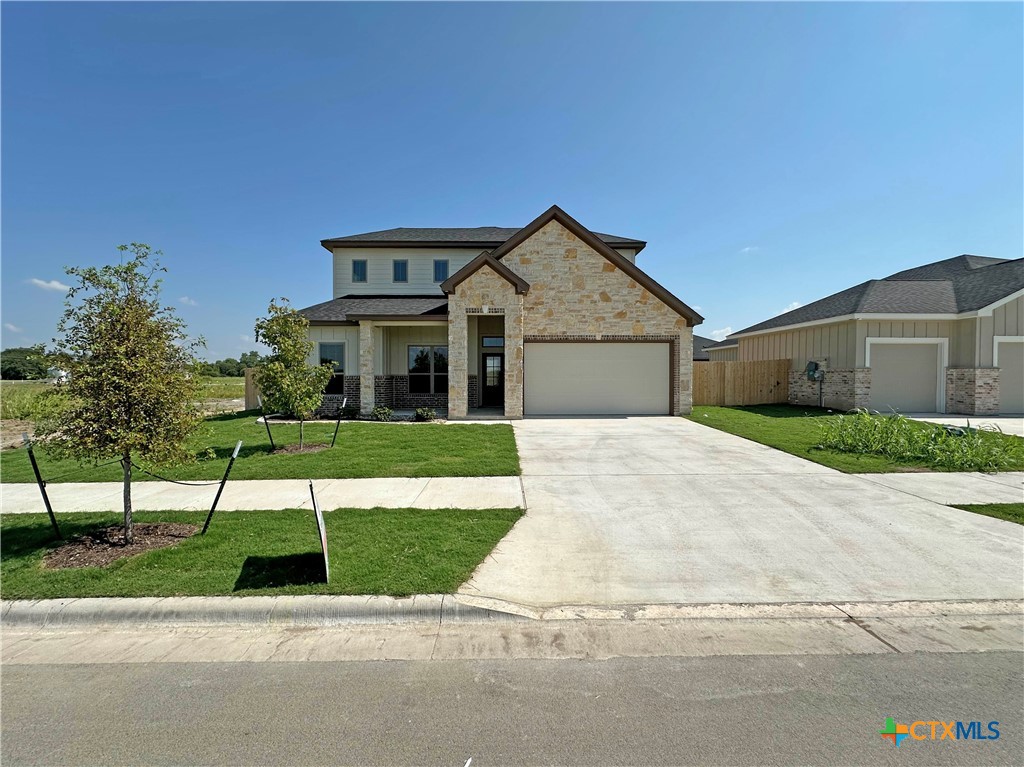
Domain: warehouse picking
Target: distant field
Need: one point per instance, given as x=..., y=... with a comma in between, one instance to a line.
x=17, y=397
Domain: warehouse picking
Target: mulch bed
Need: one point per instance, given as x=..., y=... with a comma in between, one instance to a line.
x=304, y=449
x=101, y=547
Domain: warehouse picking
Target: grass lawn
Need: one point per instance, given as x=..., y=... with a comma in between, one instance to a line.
x=796, y=430
x=1011, y=512
x=362, y=450
x=376, y=551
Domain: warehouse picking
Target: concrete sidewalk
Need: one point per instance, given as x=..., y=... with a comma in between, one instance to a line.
x=389, y=493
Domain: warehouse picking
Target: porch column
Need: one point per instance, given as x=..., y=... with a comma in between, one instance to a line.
x=366, y=387
x=458, y=360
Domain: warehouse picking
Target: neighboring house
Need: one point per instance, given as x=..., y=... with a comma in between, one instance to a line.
x=548, y=319
x=943, y=337
x=700, y=346
x=722, y=351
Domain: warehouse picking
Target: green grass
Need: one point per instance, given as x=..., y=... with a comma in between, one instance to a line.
x=377, y=551
x=362, y=450
x=223, y=388
x=796, y=430
x=1011, y=512
x=17, y=398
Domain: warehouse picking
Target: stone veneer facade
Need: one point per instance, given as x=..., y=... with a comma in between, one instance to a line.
x=575, y=294
x=842, y=389
x=972, y=391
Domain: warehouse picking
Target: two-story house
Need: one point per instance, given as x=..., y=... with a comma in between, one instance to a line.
x=544, y=320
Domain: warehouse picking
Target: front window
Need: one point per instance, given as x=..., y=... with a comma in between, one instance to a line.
x=334, y=355
x=401, y=270
x=428, y=369
x=493, y=342
x=440, y=269
x=359, y=270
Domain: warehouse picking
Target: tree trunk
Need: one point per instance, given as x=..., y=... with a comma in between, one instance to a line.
x=301, y=422
x=129, y=529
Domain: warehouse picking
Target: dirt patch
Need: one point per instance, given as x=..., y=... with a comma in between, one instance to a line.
x=101, y=547
x=296, y=449
x=11, y=430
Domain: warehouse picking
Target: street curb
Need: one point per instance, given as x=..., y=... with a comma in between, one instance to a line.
x=253, y=611
x=437, y=609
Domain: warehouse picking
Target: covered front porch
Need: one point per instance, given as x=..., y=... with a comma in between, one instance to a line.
x=404, y=365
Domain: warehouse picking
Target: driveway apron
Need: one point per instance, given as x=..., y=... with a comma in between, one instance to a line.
x=664, y=510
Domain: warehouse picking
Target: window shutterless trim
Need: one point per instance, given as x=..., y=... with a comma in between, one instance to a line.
x=394, y=269
x=446, y=266
x=320, y=354
x=359, y=262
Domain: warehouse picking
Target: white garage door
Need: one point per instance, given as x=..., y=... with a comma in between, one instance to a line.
x=904, y=378
x=1011, y=377
x=602, y=378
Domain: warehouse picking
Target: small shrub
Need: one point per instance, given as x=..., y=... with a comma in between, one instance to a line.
x=425, y=414
x=349, y=413
x=382, y=413
x=902, y=439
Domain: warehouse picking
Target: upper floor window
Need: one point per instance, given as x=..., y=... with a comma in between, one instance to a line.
x=440, y=269
x=400, y=270
x=359, y=270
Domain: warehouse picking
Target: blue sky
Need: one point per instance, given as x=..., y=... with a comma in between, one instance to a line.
x=768, y=153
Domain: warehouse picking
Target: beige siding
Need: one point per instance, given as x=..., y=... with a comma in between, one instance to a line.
x=1006, y=320
x=379, y=269
x=397, y=341
x=723, y=355
x=837, y=342
x=899, y=329
x=963, y=343
x=346, y=334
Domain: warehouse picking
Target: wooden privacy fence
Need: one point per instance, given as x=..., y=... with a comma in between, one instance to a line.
x=252, y=391
x=740, y=383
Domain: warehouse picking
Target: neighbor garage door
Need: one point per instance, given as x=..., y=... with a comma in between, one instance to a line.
x=904, y=377
x=1011, y=377
x=601, y=378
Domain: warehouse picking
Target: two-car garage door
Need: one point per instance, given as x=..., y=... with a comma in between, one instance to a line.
x=604, y=377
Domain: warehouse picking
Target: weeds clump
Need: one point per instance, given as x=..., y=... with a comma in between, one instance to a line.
x=900, y=438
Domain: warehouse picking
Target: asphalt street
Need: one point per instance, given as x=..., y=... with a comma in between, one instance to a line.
x=650, y=711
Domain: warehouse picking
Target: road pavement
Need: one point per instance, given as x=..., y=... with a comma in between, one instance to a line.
x=651, y=711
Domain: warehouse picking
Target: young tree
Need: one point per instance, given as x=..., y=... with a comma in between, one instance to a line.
x=132, y=383
x=288, y=383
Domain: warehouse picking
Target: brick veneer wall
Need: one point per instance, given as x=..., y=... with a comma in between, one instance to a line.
x=473, y=390
x=972, y=391
x=843, y=389
x=332, y=402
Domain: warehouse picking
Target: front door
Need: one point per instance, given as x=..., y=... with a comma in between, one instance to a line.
x=493, y=390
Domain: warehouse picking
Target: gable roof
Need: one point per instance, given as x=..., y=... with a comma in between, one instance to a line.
x=486, y=237
x=700, y=344
x=350, y=308
x=554, y=213
x=478, y=263
x=952, y=286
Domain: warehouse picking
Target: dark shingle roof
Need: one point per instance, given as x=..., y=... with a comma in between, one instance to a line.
x=961, y=284
x=480, y=236
x=340, y=309
x=700, y=343
x=720, y=344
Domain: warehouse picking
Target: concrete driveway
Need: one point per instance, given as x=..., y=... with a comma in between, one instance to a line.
x=654, y=510
x=1007, y=424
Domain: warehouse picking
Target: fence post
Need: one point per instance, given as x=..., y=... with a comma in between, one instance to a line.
x=42, y=485
x=220, y=489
